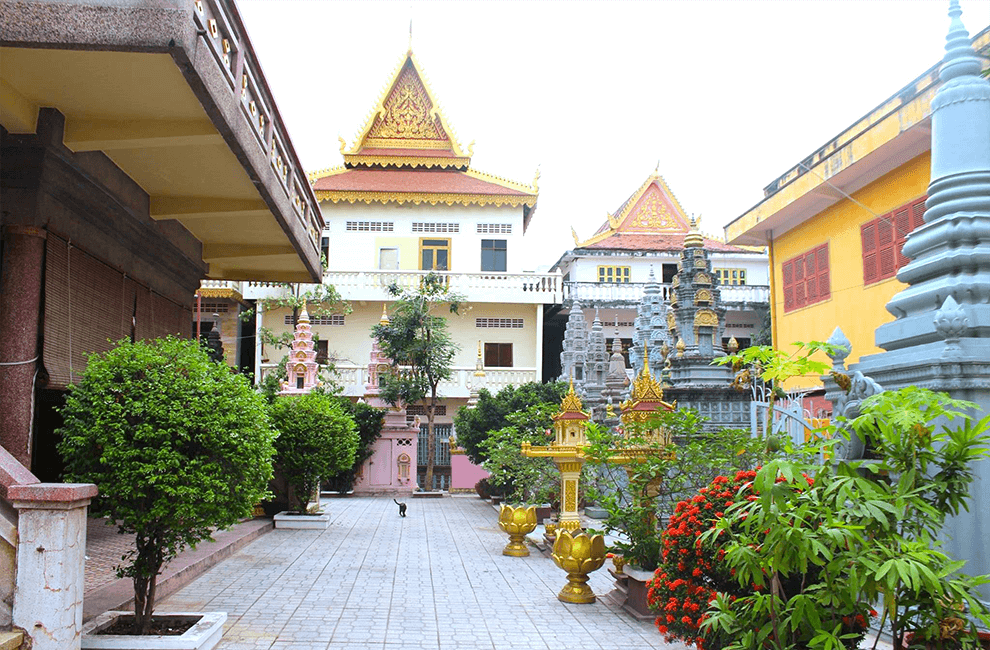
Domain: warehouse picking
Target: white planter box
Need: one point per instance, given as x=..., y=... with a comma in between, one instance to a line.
x=286, y=519
x=205, y=634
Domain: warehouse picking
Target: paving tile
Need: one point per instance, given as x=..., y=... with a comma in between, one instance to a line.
x=434, y=580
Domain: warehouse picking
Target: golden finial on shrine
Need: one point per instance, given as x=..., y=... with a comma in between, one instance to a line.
x=680, y=347
x=384, y=319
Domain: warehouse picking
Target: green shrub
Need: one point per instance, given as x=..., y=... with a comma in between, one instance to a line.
x=369, y=422
x=177, y=444
x=316, y=437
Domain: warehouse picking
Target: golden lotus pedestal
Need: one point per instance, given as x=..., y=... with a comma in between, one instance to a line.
x=518, y=522
x=578, y=554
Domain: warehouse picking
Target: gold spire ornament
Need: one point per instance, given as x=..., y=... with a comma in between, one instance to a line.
x=694, y=239
x=733, y=345
x=384, y=319
x=680, y=348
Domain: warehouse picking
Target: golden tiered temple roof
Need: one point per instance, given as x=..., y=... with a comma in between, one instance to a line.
x=650, y=219
x=646, y=396
x=407, y=151
x=571, y=407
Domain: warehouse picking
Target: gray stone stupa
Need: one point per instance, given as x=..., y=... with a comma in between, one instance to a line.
x=940, y=337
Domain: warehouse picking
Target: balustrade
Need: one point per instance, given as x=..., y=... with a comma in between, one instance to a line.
x=353, y=379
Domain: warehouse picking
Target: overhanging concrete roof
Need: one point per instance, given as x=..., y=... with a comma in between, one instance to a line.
x=172, y=92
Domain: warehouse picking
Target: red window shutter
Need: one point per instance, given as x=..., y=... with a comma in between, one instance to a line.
x=799, y=293
x=824, y=285
x=918, y=212
x=810, y=277
x=902, y=226
x=788, y=271
x=868, y=235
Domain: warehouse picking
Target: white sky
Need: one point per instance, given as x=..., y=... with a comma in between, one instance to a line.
x=726, y=95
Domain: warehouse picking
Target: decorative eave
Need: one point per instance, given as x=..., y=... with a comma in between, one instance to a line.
x=460, y=157
x=432, y=198
x=223, y=292
x=616, y=221
x=459, y=162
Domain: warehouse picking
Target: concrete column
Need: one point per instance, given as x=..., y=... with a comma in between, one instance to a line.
x=51, y=547
x=20, y=311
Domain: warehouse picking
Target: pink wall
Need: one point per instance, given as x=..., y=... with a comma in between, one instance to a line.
x=463, y=473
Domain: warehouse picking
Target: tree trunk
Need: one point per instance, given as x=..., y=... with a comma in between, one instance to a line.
x=431, y=442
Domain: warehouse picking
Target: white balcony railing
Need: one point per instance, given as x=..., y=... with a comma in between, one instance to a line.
x=603, y=292
x=529, y=288
x=353, y=379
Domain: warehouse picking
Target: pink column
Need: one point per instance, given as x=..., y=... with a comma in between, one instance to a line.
x=20, y=310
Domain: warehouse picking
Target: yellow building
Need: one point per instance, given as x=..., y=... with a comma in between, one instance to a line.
x=836, y=221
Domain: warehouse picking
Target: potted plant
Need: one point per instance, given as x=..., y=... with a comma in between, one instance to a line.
x=179, y=447
x=316, y=437
x=867, y=529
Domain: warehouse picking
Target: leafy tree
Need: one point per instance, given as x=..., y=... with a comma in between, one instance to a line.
x=642, y=498
x=316, y=437
x=492, y=413
x=369, y=421
x=421, y=349
x=177, y=444
x=524, y=479
x=318, y=299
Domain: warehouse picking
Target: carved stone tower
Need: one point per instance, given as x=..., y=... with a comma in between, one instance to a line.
x=940, y=337
x=651, y=325
x=301, y=366
x=574, y=355
x=696, y=319
x=596, y=367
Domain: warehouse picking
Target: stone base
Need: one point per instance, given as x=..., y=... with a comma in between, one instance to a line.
x=595, y=513
x=292, y=520
x=630, y=592
x=204, y=635
x=428, y=495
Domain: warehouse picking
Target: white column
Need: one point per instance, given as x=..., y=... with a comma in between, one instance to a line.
x=539, y=343
x=258, y=344
x=51, y=547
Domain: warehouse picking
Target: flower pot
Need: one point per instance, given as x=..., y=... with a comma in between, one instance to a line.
x=295, y=520
x=578, y=555
x=205, y=634
x=517, y=521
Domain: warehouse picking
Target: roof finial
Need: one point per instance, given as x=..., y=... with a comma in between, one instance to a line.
x=410, y=33
x=694, y=239
x=656, y=170
x=959, y=56
x=384, y=319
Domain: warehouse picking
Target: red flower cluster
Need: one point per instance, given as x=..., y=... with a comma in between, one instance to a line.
x=691, y=573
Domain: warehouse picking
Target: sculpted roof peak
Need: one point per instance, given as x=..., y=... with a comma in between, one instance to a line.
x=407, y=122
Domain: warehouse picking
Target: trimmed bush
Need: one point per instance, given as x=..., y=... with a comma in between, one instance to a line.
x=177, y=444
x=316, y=437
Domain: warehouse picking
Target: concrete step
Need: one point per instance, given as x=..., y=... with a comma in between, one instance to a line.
x=11, y=640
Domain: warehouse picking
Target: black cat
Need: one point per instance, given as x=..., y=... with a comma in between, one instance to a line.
x=402, y=508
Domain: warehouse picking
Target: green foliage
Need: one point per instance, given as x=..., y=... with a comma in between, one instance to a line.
x=774, y=366
x=522, y=479
x=421, y=349
x=659, y=479
x=492, y=413
x=369, y=421
x=316, y=437
x=177, y=444
x=868, y=527
x=318, y=299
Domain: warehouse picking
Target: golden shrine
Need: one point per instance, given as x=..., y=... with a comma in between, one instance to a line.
x=567, y=451
x=643, y=403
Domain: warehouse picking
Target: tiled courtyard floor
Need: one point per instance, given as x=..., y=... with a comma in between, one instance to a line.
x=435, y=579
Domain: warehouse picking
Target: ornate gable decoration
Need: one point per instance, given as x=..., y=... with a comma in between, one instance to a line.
x=652, y=209
x=407, y=118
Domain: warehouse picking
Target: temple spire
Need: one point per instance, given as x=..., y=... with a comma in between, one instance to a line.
x=959, y=56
